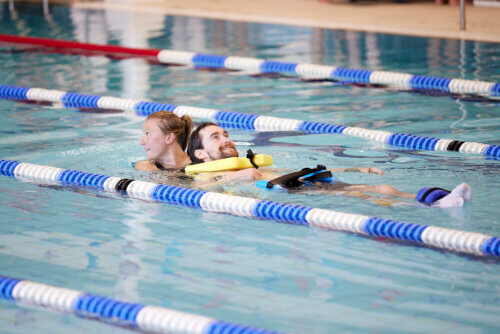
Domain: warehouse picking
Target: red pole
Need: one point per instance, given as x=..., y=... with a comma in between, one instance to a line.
x=108, y=49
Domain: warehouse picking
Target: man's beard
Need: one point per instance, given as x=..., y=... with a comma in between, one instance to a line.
x=225, y=152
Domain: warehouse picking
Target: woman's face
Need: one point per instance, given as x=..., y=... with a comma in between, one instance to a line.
x=153, y=140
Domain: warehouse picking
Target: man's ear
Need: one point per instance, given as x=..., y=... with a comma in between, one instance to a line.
x=170, y=138
x=201, y=155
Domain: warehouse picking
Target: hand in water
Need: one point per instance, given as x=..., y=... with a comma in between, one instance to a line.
x=371, y=170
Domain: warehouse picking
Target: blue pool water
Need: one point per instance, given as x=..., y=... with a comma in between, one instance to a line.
x=264, y=274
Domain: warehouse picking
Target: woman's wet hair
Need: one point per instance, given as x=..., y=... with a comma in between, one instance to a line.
x=168, y=122
x=195, y=142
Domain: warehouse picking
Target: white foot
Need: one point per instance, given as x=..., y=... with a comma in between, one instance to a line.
x=462, y=193
x=466, y=191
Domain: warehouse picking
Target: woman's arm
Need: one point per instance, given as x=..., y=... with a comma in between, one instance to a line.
x=145, y=165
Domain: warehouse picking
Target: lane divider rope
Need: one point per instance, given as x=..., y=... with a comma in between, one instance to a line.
x=256, y=66
x=152, y=319
x=244, y=121
x=443, y=238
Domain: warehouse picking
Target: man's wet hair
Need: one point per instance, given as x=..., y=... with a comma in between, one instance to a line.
x=195, y=142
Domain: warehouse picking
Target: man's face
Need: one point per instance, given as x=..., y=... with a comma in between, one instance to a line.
x=216, y=143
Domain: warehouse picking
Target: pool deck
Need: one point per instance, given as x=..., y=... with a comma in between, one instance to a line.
x=416, y=18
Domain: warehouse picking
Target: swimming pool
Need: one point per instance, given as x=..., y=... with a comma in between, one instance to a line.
x=275, y=276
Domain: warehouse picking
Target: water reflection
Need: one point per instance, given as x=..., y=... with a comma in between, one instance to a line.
x=132, y=269
x=442, y=57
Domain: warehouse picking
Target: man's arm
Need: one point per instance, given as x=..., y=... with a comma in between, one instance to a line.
x=368, y=170
x=251, y=174
x=222, y=177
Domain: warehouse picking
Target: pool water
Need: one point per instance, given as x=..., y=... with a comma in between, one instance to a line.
x=275, y=276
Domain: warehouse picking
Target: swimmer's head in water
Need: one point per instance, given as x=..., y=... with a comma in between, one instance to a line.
x=162, y=129
x=210, y=142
